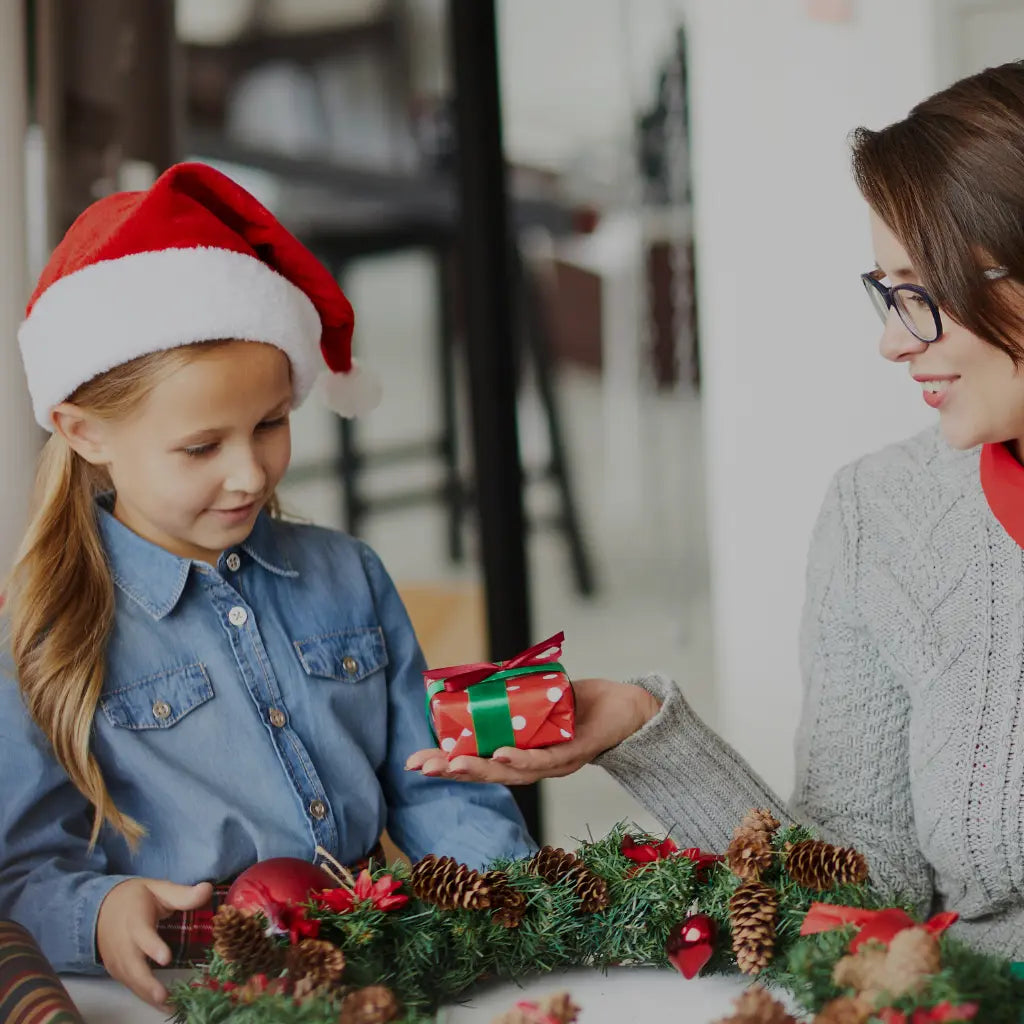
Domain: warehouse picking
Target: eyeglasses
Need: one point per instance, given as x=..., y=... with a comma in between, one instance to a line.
x=914, y=306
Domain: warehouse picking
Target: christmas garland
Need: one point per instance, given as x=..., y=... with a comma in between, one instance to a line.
x=397, y=943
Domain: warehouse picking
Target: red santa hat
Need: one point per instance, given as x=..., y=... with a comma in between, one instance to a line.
x=193, y=258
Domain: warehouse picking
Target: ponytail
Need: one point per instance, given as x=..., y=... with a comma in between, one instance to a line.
x=60, y=602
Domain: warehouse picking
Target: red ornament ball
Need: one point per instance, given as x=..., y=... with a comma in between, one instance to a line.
x=276, y=882
x=691, y=944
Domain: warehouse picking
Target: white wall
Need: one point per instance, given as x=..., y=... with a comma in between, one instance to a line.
x=18, y=437
x=794, y=386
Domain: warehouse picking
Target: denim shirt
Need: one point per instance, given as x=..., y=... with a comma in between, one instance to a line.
x=257, y=709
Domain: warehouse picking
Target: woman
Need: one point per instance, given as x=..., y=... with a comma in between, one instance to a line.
x=911, y=740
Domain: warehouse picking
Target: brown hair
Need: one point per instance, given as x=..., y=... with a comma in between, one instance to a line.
x=60, y=596
x=948, y=180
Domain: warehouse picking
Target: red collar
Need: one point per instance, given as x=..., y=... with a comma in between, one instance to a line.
x=1002, y=480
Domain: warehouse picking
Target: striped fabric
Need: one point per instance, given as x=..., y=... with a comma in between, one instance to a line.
x=30, y=991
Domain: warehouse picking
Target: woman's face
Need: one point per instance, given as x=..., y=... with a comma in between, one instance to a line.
x=976, y=388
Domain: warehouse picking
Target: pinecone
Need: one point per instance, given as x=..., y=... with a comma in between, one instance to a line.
x=753, y=909
x=508, y=904
x=592, y=891
x=375, y=1004
x=315, y=966
x=817, y=865
x=760, y=819
x=844, y=1010
x=750, y=853
x=240, y=939
x=553, y=863
x=449, y=885
x=756, y=1006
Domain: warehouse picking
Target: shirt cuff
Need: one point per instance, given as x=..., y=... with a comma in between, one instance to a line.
x=89, y=896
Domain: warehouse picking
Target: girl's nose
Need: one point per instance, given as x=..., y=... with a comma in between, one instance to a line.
x=246, y=475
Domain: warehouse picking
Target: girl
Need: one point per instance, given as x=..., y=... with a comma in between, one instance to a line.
x=193, y=685
x=911, y=743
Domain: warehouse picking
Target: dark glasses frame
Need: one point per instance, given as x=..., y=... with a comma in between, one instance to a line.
x=872, y=281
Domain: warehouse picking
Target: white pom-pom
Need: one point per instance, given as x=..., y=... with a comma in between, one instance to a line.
x=349, y=394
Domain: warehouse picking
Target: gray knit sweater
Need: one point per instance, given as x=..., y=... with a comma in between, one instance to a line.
x=911, y=740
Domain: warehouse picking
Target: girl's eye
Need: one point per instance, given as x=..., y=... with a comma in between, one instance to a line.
x=280, y=421
x=198, y=450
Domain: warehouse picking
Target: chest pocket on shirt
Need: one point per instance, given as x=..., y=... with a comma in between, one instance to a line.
x=160, y=700
x=348, y=655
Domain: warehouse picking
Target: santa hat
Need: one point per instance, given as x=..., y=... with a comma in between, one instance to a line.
x=193, y=258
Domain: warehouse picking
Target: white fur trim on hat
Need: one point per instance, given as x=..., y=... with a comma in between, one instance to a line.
x=349, y=394
x=117, y=310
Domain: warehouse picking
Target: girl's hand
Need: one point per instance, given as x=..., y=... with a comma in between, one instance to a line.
x=606, y=713
x=126, y=930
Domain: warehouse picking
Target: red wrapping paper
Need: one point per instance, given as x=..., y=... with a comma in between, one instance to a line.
x=541, y=706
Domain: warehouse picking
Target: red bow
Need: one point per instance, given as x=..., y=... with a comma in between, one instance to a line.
x=875, y=925
x=702, y=861
x=460, y=677
x=647, y=851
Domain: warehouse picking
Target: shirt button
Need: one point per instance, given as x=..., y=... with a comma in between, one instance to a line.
x=233, y=562
x=277, y=717
x=161, y=710
x=238, y=616
x=318, y=809
x=350, y=665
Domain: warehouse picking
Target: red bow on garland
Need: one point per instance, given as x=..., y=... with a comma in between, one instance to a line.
x=648, y=851
x=464, y=676
x=875, y=925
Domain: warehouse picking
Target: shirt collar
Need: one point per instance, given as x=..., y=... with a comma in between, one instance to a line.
x=154, y=578
x=264, y=547
x=1002, y=480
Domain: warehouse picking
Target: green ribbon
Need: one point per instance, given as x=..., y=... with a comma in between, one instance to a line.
x=489, y=706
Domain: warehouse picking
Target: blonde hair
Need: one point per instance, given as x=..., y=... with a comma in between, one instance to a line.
x=60, y=595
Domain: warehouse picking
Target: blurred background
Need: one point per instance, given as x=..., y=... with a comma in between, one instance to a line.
x=604, y=257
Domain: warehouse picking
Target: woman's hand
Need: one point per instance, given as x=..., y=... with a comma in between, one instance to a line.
x=126, y=930
x=606, y=713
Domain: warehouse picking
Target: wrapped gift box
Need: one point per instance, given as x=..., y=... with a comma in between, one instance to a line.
x=524, y=702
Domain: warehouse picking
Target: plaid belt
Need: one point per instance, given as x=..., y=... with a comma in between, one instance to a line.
x=189, y=933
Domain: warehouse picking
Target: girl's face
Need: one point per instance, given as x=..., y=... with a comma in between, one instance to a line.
x=975, y=386
x=202, y=454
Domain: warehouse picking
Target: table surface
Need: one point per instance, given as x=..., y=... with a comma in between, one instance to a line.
x=621, y=994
